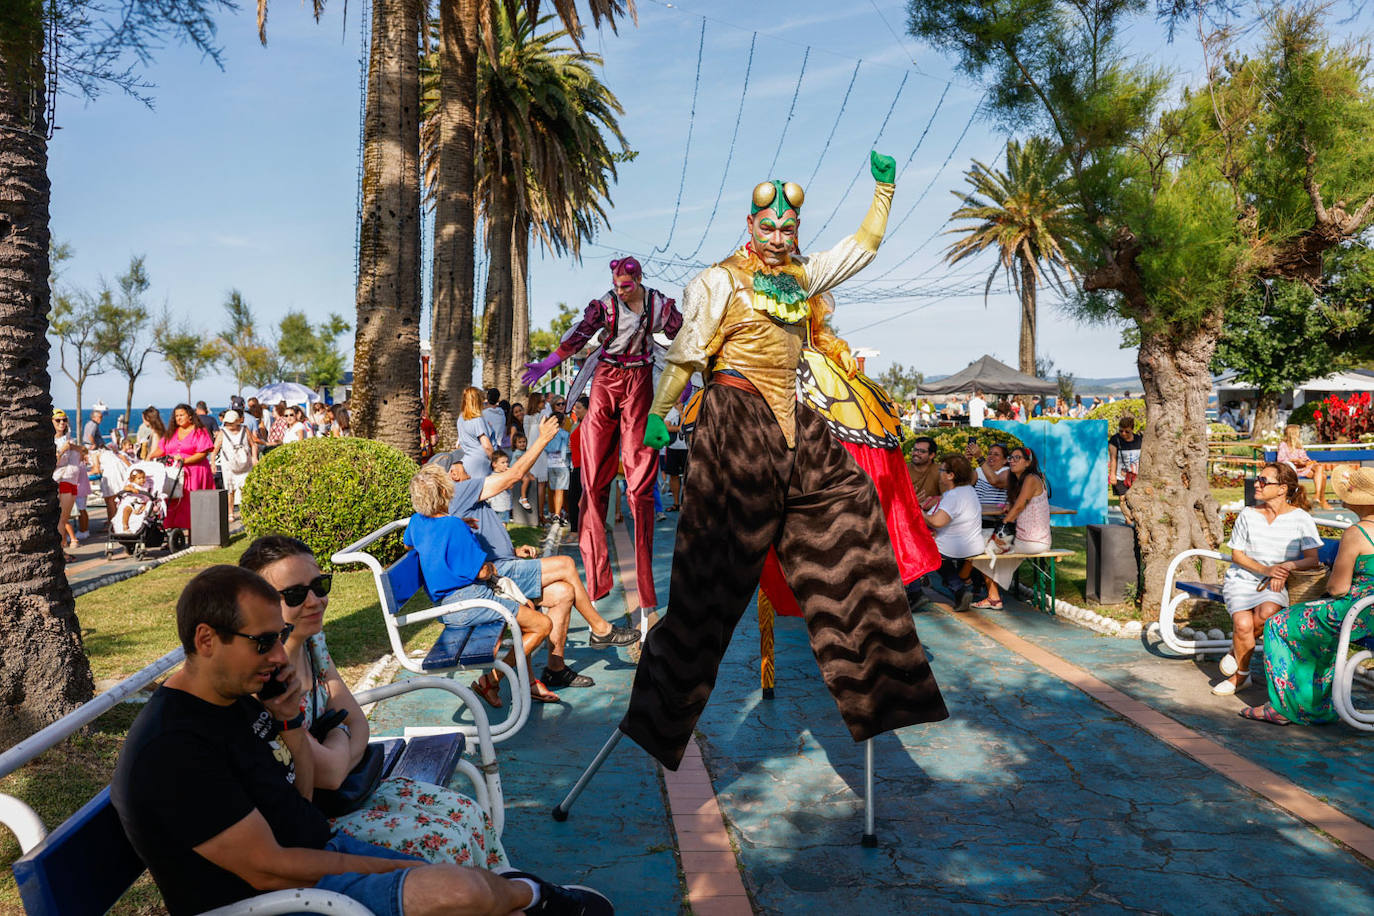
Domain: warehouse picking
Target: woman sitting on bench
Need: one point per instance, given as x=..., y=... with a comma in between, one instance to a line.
x=416, y=818
x=1300, y=643
x=1028, y=501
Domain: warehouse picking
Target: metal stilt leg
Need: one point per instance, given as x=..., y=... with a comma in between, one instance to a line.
x=870, y=838
x=560, y=810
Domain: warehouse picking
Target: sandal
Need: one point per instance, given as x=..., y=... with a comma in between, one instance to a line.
x=987, y=605
x=1265, y=713
x=541, y=694
x=489, y=690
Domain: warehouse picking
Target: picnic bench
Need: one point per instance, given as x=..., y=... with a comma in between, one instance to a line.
x=456, y=648
x=1347, y=668
x=87, y=863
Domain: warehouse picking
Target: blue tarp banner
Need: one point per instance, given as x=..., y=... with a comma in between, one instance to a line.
x=1073, y=455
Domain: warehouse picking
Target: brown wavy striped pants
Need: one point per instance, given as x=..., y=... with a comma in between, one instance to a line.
x=746, y=491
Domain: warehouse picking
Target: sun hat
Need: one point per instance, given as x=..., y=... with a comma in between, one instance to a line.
x=1354, y=486
x=232, y=416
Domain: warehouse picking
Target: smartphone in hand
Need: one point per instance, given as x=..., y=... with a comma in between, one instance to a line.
x=273, y=688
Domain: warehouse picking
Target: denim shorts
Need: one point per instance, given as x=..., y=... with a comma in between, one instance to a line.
x=528, y=575
x=472, y=616
x=558, y=478
x=380, y=893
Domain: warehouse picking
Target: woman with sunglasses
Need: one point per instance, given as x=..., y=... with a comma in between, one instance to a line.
x=433, y=822
x=1028, y=501
x=1270, y=540
x=66, y=472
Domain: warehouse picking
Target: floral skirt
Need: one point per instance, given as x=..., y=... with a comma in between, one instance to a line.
x=420, y=819
x=1300, y=653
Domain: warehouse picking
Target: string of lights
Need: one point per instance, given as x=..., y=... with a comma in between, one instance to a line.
x=687, y=153
x=862, y=168
x=834, y=127
x=791, y=109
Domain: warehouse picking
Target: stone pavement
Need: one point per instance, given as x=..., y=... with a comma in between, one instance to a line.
x=92, y=569
x=1033, y=796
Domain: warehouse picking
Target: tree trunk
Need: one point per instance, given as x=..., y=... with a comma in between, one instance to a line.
x=43, y=669
x=520, y=312
x=1026, y=350
x=498, y=318
x=455, y=222
x=1171, y=502
x=386, y=362
x=1266, y=413
x=129, y=410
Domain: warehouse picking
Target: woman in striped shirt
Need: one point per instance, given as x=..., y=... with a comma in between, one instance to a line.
x=1270, y=540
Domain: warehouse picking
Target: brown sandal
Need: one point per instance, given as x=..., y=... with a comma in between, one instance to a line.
x=541, y=694
x=489, y=690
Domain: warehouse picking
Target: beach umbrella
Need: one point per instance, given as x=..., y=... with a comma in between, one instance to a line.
x=290, y=392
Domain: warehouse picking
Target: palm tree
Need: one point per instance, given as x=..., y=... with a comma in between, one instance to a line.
x=544, y=166
x=1025, y=215
x=464, y=25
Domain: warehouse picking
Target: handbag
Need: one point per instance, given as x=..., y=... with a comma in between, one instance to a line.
x=356, y=788
x=1307, y=584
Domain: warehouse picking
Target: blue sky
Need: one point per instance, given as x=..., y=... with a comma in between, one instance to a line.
x=246, y=177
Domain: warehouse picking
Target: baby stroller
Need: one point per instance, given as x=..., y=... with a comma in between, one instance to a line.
x=145, y=528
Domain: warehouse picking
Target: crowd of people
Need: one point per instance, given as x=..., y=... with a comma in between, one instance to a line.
x=207, y=450
x=976, y=408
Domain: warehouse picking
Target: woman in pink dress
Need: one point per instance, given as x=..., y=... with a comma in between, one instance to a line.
x=189, y=441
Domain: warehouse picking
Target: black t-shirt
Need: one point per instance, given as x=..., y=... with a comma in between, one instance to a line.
x=189, y=770
x=1127, y=454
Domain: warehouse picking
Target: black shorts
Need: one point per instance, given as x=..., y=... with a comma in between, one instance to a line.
x=674, y=461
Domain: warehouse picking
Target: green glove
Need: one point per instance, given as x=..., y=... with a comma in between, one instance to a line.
x=884, y=168
x=655, y=432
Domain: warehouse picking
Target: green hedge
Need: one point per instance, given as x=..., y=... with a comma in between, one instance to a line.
x=1302, y=414
x=329, y=493
x=954, y=438
x=1113, y=411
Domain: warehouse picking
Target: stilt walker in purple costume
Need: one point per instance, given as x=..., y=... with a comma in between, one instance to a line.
x=764, y=472
x=613, y=430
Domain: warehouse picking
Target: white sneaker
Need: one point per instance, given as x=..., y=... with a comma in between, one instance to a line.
x=1229, y=687
x=1228, y=664
x=525, y=504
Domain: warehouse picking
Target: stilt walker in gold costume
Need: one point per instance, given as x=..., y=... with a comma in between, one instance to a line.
x=765, y=472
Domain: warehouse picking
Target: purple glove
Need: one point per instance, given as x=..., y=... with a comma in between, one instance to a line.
x=539, y=368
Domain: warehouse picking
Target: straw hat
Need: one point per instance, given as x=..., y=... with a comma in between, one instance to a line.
x=1354, y=486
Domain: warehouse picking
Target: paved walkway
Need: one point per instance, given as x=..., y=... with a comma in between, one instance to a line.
x=1035, y=795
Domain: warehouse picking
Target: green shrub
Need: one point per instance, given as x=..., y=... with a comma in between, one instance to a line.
x=953, y=438
x=1220, y=431
x=329, y=493
x=1113, y=411
x=1302, y=414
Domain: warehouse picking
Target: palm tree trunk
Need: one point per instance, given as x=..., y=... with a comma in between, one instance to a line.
x=520, y=311
x=386, y=362
x=43, y=669
x=1027, y=349
x=455, y=222
x=498, y=315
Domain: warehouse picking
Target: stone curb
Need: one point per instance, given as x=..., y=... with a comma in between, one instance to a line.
x=1079, y=616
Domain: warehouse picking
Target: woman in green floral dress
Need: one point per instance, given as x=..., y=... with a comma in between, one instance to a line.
x=1300, y=642
x=417, y=818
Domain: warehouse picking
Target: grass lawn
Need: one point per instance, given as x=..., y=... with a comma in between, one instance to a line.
x=127, y=626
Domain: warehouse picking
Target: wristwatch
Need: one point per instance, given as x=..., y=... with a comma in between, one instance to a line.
x=289, y=724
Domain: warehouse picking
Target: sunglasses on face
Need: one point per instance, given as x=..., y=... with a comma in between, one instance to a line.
x=1017, y=458
x=265, y=641
x=294, y=595
x=1265, y=482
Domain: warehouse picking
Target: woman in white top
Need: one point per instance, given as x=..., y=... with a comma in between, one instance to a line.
x=535, y=411
x=957, y=521
x=1270, y=540
x=990, y=479
x=299, y=430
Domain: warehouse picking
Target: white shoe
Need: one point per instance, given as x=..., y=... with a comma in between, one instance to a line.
x=1228, y=664
x=1229, y=687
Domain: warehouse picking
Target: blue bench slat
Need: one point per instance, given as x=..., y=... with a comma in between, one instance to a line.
x=475, y=645
x=405, y=578
x=391, y=752
x=430, y=758
x=82, y=867
x=1199, y=589
x=1326, y=553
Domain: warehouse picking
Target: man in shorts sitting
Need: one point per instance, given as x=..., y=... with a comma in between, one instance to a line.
x=213, y=784
x=551, y=582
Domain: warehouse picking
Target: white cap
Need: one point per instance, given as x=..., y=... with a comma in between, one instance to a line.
x=99, y=407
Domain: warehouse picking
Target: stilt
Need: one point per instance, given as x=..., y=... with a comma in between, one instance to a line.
x=560, y=810
x=766, y=615
x=870, y=838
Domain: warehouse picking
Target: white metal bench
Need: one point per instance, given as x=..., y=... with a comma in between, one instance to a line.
x=457, y=647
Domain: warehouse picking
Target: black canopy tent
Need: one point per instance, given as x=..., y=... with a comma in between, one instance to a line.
x=991, y=377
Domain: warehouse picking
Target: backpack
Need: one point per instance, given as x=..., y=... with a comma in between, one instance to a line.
x=236, y=457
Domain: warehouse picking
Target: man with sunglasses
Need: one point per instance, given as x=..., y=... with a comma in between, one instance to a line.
x=213, y=785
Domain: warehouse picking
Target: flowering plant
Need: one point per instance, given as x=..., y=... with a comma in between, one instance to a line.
x=1345, y=419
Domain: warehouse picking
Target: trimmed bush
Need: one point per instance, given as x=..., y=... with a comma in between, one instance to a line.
x=953, y=438
x=1302, y=414
x=1113, y=411
x=329, y=493
x=1220, y=431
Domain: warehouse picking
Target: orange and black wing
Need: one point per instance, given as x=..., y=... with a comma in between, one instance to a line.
x=855, y=409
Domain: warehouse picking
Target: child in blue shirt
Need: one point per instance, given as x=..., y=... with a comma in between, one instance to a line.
x=456, y=568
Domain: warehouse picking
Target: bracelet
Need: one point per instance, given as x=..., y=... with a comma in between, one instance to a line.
x=289, y=724
x=343, y=727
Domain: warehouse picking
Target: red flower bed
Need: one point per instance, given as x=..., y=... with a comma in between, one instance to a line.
x=1344, y=419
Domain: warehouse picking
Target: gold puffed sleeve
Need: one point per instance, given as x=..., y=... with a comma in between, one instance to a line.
x=829, y=269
